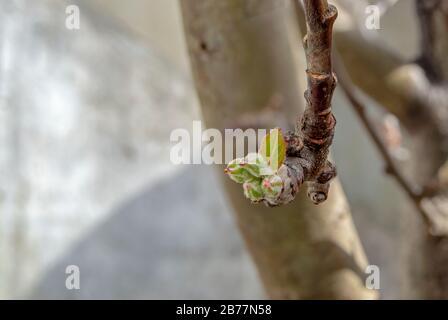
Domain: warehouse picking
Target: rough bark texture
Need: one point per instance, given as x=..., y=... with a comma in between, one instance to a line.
x=317, y=125
x=241, y=57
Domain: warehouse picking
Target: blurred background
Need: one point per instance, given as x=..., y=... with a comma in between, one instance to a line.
x=86, y=180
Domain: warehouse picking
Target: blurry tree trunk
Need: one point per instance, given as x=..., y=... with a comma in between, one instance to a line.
x=242, y=58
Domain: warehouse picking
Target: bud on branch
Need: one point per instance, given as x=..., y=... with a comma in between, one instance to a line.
x=283, y=164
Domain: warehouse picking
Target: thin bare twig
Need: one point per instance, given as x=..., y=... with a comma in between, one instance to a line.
x=413, y=192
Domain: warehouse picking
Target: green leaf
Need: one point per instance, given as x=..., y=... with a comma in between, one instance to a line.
x=273, y=148
x=252, y=190
x=258, y=165
x=272, y=186
x=238, y=171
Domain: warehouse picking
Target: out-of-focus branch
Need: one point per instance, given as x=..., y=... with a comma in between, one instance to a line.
x=430, y=199
x=429, y=99
x=414, y=193
x=370, y=64
x=433, y=16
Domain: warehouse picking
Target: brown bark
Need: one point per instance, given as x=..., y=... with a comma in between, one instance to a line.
x=317, y=125
x=241, y=57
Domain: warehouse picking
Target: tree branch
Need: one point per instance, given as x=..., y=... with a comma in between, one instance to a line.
x=433, y=17
x=317, y=125
x=415, y=194
x=301, y=251
x=307, y=147
x=316, y=128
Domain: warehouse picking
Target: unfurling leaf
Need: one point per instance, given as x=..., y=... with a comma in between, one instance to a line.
x=272, y=187
x=273, y=149
x=252, y=166
x=253, y=191
x=260, y=181
x=237, y=170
